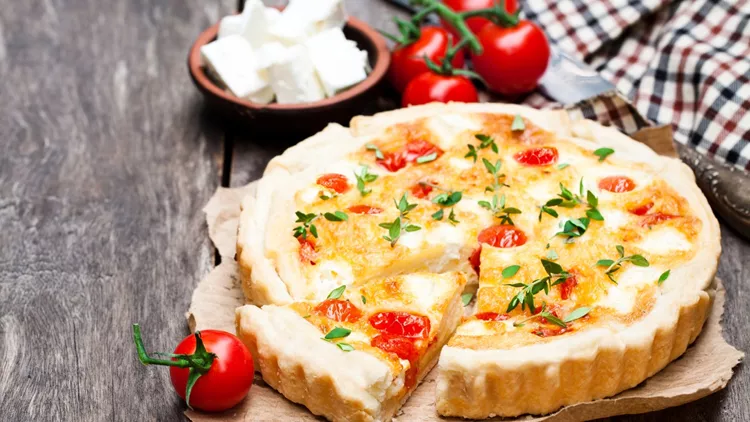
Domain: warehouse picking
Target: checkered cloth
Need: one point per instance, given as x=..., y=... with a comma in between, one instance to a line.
x=679, y=62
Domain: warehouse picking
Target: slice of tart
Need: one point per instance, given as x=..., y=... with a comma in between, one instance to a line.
x=357, y=355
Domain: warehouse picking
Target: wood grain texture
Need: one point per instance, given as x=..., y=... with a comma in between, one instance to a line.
x=106, y=162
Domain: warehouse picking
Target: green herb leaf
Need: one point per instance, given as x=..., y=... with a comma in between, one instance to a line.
x=663, y=277
x=577, y=314
x=452, y=218
x=603, y=153
x=550, y=317
x=345, y=346
x=518, y=124
x=364, y=299
x=604, y=262
x=594, y=214
x=337, y=292
x=552, y=255
x=551, y=267
x=620, y=250
x=466, y=298
x=363, y=177
x=438, y=215
x=378, y=153
x=562, y=166
x=510, y=271
x=472, y=153
x=427, y=158
x=639, y=260
x=336, y=216
x=448, y=199
x=338, y=332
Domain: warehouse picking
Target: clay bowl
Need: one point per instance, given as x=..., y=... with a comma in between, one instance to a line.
x=296, y=120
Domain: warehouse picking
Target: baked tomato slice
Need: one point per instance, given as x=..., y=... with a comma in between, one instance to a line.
x=393, y=161
x=338, y=310
x=642, y=209
x=656, y=218
x=492, y=316
x=307, y=250
x=617, y=184
x=402, y=347
x=420, y=148
x=335, y=182
x=542, y=156
x=422, y=190
x=364, y=209
x=499, y=236
x=402, y=324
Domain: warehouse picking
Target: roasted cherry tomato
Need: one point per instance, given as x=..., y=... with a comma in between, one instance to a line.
x=551, y=331
x=542, y=156
x=364, y=209
x=401, y=324
x=402, y=347
x=617, y=184
x=224, y=363
x=642, y=209
x=431, y=87
x=567, y=286
x=492, y=316
x=393, y=161
x=421, y=190
x=656, y=218
x=338, y=310
x=513, y=59
x=476, y=23
x=407, y=62
x=420, y=148
x=334, y=181
x=307, y=250
x=499, y=236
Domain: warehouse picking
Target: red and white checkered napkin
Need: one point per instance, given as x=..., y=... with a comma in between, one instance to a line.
x=679, y=62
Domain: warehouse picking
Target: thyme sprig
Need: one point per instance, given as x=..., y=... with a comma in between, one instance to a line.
x=525, y=297
x=364, y=177
x=306, y=221
x=614, y=266
x=485, y=142
x=551, y=317
x=401, y=223
x=499, y=210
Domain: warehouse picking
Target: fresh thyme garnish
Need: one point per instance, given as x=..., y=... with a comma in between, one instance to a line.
x=562, y=166
x=336, y=216
x=485, y=142
x=550, y=317
x=555, y=275
x=400, y=224
x=494, y=169
x=466, y=298
x=518, y=124
x=345, y=346
x=337, y=292
x=364, y=299
x=306, y=220
x=378, y=153
x=574, y=227
x=427, y=158
x=499, y=210
x=445, y=200
x=363, y=178
x=614, y=266
x=338, y=332
x=552, y=255
x=509, y=272
x=663, y=277
x=603, y=153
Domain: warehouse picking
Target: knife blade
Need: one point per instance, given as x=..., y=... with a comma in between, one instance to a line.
x=570, y=82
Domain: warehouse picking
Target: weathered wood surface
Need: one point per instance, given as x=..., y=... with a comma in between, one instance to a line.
x=107, y=158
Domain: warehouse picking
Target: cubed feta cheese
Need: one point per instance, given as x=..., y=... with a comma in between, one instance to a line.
x=257, y=24
x=270, y=53
x=231, y=25
x=302, y=19
x=231, y=60
x=293, y=79
x=338, y=61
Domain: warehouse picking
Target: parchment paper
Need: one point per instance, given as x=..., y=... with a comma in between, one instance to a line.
x=705, y=368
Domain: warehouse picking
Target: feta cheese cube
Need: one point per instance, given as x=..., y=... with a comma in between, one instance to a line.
x=231, y=60
x=271, y=53
x=293, y=79
x=338, y=62
x=231, y=25
x=302, y=19
x=257, y=24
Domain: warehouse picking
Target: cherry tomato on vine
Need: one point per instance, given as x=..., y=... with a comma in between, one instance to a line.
x=514, y=58
x=407, y=62
x=432, y=87
x=476, y=23
x=211, y=369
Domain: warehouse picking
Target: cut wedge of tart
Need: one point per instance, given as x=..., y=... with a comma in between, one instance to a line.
x=357, y=355
x=593, y=256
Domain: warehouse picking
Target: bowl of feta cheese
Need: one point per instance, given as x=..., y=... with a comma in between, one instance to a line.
x=289, y=72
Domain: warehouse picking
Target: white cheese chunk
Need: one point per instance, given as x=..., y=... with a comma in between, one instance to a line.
x=637, y=276
x=620, y=299
x=257, y=24
x=424, y=289
x=663, y=241
x=474, y=328
x=302, y=19
x=231, y=25
x=357, y=336
x=614, y=218
x=232, y=61
x=270, y=53
x=461, y=164
x=411, y=240
x=293, y=78
x=332, y=273
x=337, y=60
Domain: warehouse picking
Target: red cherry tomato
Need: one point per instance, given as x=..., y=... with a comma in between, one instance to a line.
x=502, y=236
x=401, y=324
x=421, y=190
x=402, y=347
x=431, y=87
x=642, y=209
x=543, y=156
x=420, y=148
x=476, y=23
x=393, y=161
x=475, y=259
x=492, y=316
x=513, y=59
x=550, y=332
x=617, y=184
x=307, y=250
x=364, y=209
x=653, y=219
x=567, y=286
x=334, y=181
x=408, y=62
x=338, y=310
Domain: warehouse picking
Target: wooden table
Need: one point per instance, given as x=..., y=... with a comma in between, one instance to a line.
x=108, y=156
